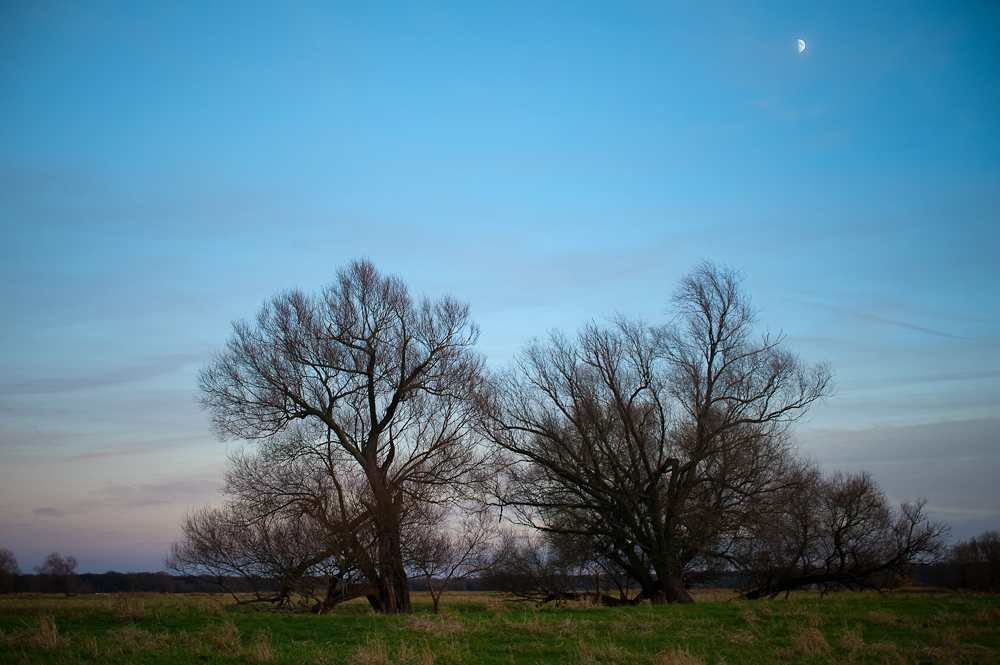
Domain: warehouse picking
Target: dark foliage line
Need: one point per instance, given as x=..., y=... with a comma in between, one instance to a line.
x=161, y=582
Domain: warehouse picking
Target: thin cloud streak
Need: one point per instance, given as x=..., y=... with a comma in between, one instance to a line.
x=49, y=512
x=875, y=318
x=104, y=454
x=121, y=497
x=134, y=374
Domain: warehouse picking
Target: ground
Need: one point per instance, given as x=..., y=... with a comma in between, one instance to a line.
x=484, y=628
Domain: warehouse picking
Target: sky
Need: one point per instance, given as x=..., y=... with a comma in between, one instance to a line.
x=167, y=166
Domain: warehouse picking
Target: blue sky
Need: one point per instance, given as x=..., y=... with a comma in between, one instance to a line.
x=165, y=167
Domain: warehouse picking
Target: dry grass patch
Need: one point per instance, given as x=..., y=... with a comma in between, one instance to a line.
x=600, y=652
x=631, y=623
x=949, y=617
x=676, y=657
x=496, y=605
x=451, y=650
x=742, y=638
x=763, y=609
x=946, y=638
x=436, y=627
x=43, y=604
x=989, y=614
x=126, y=640
x=536, y=626
x=814, y=620
x=923, y=591
x=260, y=647
x=714, y=595
x=43, y=634
x=533, y=625
x=223, y=638
x=211, y=608
x=973, y=654
x=698, y=628
x=887, y=652
x=882, y=618
x=376, y=651
x=974, y=651
x=136, y=639
x=809, y=642
x=851, y=642
x=127, y=607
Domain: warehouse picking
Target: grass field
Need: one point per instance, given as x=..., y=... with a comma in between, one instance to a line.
x=482, y=628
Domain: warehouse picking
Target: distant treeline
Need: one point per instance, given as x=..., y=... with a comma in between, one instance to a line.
x=161, y=582
x=946, y=575
x=115, y=582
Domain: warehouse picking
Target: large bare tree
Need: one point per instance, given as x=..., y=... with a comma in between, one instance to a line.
x=654, y=442
x=970, y=564
x=296, y=531
x=834, y=532
x=365, y=391
x=443, y=546
x=58, y=573
x=9, y=571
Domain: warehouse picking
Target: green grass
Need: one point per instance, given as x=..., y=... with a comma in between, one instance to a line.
x=481, y=628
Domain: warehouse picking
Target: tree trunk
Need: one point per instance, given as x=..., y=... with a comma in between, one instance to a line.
x=394, y=589
x=673, y=590
x=668, y=587
x=395, y=594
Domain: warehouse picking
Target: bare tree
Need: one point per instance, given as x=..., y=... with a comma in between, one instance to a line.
x=557, y=567
x=654, y=441
x=973, y=564
x=291, y=518
x=9, y=571
x=837, y=532
x=58, y=573
x=538, y=568
x=443, y=547
x=289, y=560
x=364, y=388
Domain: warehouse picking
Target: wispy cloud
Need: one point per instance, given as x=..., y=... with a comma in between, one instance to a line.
x=155, y=494
x=49, y=512
x=114, y=453
x=901, y=324
x=136, y=497
x=937, y=377
x=929, y=443
x=875, y=318
x=133, y=374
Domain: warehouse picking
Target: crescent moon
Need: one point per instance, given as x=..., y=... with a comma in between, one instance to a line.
x=802, y=45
